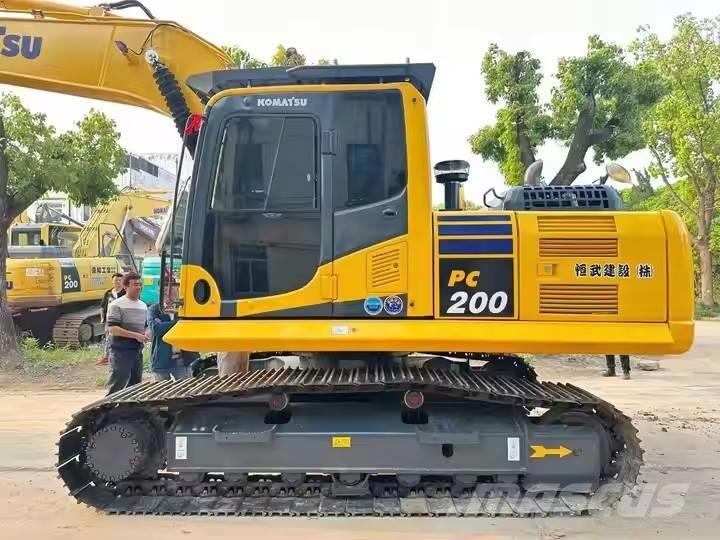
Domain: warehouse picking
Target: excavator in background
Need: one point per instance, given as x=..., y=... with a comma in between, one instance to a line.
x=309, y=231
x=54, y=289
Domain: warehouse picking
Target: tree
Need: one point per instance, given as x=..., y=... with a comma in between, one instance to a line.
x=598, y=102
x=34, y=159
x=287, y=57
x=242, y=58
x=683, y=129
x=522, y=124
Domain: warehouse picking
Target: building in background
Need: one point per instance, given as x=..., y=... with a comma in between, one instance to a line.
x=144, y=171
x=151, y=171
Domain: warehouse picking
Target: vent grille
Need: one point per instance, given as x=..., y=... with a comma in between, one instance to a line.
x=385, y=269
x=575, y=299
x=578, y=247
x=584, y=224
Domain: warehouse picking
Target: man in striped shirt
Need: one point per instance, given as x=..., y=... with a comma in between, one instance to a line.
x=127, y=326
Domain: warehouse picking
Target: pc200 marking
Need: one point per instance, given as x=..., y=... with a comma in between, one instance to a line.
x=476, y=287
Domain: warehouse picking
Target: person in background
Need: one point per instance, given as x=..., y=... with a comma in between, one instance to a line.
x=127, y=329
x=110, y=295
x=167, y=361
x=624, y=364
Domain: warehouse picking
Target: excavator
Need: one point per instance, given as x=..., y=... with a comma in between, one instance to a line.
x=310, y=235
x=54, y=289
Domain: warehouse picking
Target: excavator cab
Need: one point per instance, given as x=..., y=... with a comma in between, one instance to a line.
x=301, y=201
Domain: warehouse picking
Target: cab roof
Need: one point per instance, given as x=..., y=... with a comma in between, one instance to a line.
x=205, y=85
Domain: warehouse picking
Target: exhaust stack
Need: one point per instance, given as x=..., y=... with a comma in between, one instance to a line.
x=452, y=174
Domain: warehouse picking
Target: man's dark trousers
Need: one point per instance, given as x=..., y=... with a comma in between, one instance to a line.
x=126, y=367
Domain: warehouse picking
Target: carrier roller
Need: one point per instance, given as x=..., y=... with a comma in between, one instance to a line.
x=366, y=441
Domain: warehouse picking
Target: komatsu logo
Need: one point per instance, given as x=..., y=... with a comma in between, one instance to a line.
x=16, y=44
x=282, y=102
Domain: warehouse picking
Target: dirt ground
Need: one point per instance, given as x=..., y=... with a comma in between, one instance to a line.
x=676, y=409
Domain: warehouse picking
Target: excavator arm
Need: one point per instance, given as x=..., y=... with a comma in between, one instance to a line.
x=94, y=53
x=102, y=235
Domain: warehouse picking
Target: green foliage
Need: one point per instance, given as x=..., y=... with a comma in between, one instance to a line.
x=521, y=123
x=622, y=93
x=43, y=359
x=287, y=57
x=83, y=162
x=242, y=58
x=707, y=312
x=37, y=358
x=283, y=56
x=598, y=102
x=683, y=129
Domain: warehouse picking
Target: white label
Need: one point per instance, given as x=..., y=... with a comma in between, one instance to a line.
x=33, y=272
x=513, y=448
x=340, y=330
x=180, y=447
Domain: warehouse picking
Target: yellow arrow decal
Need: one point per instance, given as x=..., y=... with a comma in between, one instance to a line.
x=540, y=451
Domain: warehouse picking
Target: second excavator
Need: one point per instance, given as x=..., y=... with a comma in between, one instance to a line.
x=310, y=231
x=55, y=285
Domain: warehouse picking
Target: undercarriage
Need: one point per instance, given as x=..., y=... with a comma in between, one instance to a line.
x=373, y=440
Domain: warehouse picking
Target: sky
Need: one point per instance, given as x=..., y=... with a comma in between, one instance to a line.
x=451, y=34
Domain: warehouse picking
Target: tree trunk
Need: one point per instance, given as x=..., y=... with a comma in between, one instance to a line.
x=707, y=294
x=527, y=155
x=8, y=338
x=584, y=137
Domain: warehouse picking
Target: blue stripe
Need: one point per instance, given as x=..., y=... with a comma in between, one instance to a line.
x=476, y=247
x=467, y=230
x=500, y=217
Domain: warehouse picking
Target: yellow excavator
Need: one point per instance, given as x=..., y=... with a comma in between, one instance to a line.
x=55, y=283
x=310, y=235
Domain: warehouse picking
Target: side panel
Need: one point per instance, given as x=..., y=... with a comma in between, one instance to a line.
x=592, y=266
x=37, y=283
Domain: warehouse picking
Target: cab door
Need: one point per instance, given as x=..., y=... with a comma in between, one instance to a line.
x=370, y=205
x=257, y=226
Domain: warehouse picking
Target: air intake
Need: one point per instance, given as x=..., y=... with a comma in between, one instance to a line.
x=385, y=270
x=589, y=197
x=576, y=299
x=578, y=247
x=576, y=224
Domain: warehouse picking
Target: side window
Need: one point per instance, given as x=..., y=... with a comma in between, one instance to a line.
x=267, y=163
x=371, y=158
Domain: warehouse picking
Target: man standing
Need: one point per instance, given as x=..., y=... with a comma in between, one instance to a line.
x=167, y=361
x=126, y=321
x=110, y=296
x=624, y=363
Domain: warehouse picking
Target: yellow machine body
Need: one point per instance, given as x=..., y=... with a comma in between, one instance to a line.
x=641, y=302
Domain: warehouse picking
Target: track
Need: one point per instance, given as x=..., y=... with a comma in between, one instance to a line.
x=213, y=494
x=75, y=329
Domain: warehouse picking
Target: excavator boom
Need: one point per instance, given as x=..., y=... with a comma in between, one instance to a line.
x=141, y=62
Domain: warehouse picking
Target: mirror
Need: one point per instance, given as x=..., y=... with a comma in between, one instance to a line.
x=618, y=173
